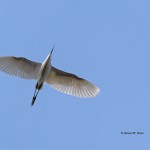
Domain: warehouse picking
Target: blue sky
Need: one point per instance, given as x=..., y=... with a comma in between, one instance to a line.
x=106, y=42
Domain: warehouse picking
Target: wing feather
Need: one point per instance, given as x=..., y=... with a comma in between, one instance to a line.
x=71, y=84
x=20, y=67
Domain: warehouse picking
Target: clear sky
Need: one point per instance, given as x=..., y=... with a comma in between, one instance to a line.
x=106, y=42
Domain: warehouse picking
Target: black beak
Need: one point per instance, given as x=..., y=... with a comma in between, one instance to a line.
x=52, y=49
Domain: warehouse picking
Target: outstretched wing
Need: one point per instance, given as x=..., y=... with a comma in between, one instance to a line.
x=71, y=84
x=19, y=66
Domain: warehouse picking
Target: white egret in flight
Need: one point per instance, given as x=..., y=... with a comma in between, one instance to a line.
x=45, y=73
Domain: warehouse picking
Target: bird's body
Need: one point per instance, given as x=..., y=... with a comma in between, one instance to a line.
x=45, y=73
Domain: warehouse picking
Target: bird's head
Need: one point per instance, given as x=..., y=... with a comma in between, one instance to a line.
x=52, y=51
x=48, y=58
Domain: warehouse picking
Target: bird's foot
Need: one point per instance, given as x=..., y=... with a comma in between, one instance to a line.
x=33, y=100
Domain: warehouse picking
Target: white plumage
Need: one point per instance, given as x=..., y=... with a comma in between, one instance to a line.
x=44, y=72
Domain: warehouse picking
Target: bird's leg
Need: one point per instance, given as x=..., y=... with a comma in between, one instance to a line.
x=37, y=93
x=34, y=97
x=34, y=92
x=37, y=88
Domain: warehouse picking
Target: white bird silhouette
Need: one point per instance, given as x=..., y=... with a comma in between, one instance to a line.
x=44, y=72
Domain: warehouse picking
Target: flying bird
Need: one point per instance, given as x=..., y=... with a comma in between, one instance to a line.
x=45, y=73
